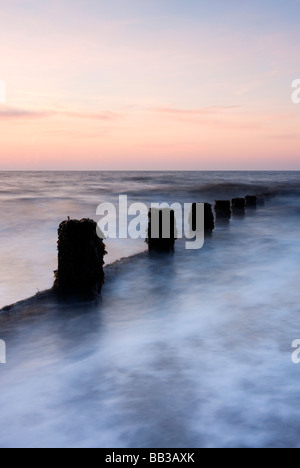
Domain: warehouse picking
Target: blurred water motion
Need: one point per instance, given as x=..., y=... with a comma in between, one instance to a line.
x=184, y=350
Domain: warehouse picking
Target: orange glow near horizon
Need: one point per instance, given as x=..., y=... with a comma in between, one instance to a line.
x=96, y=93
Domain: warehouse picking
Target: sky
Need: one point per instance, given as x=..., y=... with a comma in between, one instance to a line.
x=149, y=85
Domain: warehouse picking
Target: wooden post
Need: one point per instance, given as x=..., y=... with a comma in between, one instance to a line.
x=209, y=220
x=251, y=201
x=156, y=239
x=80, y=258
x=238, y=206
x=223, y=209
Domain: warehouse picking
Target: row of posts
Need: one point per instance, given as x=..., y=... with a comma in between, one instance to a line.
x=81, y=252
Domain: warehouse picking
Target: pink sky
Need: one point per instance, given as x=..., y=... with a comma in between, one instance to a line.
x=108, y=88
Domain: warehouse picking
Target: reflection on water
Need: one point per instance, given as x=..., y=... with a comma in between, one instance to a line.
x=187, y=350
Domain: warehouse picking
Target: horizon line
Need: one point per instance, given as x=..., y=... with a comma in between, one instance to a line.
x=148, y=170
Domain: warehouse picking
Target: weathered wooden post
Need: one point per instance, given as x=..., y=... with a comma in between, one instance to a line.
x=80, y=258
x=223, y=209
x=161, y=230
x=238, y=206
x=251, y=201
x=209, y=220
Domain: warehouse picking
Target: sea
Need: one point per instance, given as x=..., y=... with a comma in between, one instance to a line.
x=187, y=349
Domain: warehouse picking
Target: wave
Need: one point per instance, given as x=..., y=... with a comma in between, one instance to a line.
x=28, y=305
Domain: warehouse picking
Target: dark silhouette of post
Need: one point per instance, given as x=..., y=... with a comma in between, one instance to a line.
x=209, y=220
x=251, y=201
x=223, y=209
x=161, y=230
x=80, y=258
x=238, y=206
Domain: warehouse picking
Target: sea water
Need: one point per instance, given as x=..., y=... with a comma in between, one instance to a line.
x=191, y=349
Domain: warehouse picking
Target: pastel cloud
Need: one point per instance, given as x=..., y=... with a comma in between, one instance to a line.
x=139, y=84
x=9, y=113
x=204, y=111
